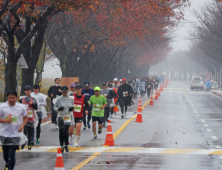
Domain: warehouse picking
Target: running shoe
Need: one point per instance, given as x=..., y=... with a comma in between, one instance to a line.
x=23, y=146
x=89, y=126
x=122, y=116
x=66, y=148
x=104, y=125
x=56, y=126
x=52, y=125
x=29, y=147
x=84, y=128
x=76, y=144
x=95, y=136
x=37, y=141
x=100, y=131
x=62, y=149
x=111, y=116
x=32, y=143
x=6, y=167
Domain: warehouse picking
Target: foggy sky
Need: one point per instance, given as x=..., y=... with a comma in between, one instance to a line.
x=181, y=42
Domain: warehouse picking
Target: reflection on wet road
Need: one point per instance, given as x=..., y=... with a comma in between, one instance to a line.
x=181, y=131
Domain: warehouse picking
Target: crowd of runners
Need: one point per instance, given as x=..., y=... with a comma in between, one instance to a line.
x=71, y=111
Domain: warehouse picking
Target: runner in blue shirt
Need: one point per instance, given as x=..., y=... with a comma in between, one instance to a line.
x=87, y=92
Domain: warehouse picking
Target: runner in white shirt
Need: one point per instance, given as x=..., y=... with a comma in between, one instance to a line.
x=13, y=117
x=41, y=112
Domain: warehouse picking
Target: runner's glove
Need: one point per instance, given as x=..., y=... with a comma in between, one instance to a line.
x=61, y=109
x=71, y=109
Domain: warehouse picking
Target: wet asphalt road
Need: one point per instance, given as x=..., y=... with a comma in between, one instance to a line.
x=181, y=131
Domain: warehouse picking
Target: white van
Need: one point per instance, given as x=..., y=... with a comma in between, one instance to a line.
x=197, y=83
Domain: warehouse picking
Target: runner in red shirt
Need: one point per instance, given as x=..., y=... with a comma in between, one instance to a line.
x=79, y=102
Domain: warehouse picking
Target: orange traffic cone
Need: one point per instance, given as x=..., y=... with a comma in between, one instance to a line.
x=139, y=108
x=59, y=161
x=158, y=93
x=109, y=135
x=156, y=96
x=151, y=100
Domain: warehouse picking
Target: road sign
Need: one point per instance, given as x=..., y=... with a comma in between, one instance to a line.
x=22, y=63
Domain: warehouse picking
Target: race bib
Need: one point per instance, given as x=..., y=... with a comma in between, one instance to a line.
x=67, y=119
x=77, y=108
x=96, y=107
x=149, y=86
x=14, y=119
x=30, y=113
x=125, y=93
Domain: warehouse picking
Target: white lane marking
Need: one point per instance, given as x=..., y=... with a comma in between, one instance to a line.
x=45, y=123
x=214, y=137
x=205, y=125
x=196, y=112
x=218, y=147
x=202, y=120
x=197, y=115
x=209, y=130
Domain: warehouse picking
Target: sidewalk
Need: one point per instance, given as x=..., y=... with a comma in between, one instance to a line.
x=217, y=92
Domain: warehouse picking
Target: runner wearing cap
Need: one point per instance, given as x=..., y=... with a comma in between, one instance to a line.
x=32, y=106
x=54, y=91
x=124, y=98
x=64, y=107
x=79, y=102
x=98, y=103
x=73, y=90
x=13, y=117
x=41, y=112
x=87, y=92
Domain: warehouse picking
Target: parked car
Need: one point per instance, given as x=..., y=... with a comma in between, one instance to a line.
x=214, y=84
x=197, y=83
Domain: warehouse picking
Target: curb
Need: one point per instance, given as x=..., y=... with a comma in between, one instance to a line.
x=219, y=95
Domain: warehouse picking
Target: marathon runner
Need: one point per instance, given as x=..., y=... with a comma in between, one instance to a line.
x=149, y=87
x=53, y=92
x=142, y=86
x=41, y=112
x=112, y=95
x=64, y=107
x=87, y=92
x=79, y=102
x=116, y=85
x=156, y=82
x=104, y=92
x=13, y=117
x=73, y=90
x=98, y=103
x=124, y=98
x=115, y=88
x=32, y=106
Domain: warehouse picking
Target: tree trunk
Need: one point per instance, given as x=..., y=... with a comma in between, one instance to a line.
x=38, y=78
x=28, y=74
x=10, y=69
x=10, y=76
